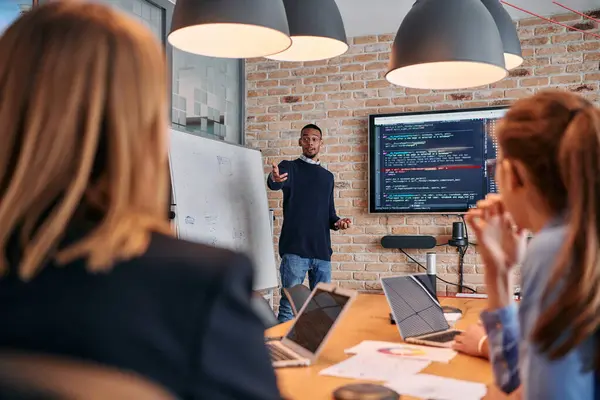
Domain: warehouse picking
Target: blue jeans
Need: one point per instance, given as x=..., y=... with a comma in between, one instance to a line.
x=293, y=271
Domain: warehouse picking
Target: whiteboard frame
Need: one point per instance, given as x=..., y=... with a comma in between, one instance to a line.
x=270, y=290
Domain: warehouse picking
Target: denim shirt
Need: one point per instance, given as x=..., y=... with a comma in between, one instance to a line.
x=515, y=359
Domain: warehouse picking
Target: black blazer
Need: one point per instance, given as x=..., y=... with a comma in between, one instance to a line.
x=179, y=315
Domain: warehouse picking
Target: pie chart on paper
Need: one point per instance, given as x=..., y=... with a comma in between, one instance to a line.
x=403, y=351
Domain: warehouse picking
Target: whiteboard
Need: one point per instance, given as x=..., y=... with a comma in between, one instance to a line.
x=221, y=200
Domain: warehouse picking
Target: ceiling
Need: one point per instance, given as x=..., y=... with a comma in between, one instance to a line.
x=368, y=17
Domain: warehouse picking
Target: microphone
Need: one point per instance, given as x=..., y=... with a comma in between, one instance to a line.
x=458, y=235
x=432, y=270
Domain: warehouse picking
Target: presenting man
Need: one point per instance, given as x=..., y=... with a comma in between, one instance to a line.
x=308, y=215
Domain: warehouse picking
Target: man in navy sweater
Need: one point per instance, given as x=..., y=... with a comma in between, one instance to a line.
x=308, y=216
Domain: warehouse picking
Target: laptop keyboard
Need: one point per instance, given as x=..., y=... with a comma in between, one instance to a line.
x=277, y=353
x=442, y=337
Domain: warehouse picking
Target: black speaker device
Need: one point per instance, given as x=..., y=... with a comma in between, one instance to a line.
x=408, y=242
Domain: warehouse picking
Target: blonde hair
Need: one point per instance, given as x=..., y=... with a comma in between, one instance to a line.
x=556, y=135
x=83, y=117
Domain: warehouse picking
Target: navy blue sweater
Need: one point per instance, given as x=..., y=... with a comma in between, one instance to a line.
x=308, y=210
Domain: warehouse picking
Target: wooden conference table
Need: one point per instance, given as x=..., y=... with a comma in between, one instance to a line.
x=368, y=319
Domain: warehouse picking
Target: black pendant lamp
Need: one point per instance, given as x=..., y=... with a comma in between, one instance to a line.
x=513, y=57
x=447, y=44
x=317, y=31
x=230, y=28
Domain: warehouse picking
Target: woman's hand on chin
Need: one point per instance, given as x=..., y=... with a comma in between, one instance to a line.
x=501, y=246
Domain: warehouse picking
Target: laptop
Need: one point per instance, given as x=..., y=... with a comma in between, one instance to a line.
x=418, y=314
x=310, y=330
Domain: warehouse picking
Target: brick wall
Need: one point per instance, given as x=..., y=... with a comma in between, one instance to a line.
x=340, y=93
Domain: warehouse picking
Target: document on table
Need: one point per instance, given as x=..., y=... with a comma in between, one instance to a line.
x=407, y=351
x=375, y=367
x=452, y=317
x=438, y=388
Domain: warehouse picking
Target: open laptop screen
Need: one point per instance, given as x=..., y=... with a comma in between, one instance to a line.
x=317, y=319
x=415, y=310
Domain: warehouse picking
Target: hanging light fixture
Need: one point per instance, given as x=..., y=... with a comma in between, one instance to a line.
x=448, y=44
x=230, y=28
x=317, y=31
x=513, y=57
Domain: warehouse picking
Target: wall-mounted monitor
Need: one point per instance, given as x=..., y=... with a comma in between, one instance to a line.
x=431, y=162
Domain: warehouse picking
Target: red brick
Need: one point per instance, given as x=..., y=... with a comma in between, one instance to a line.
x=339, y=113
x=361, y=58
x=549, y=29
x=303, y=107
x=275, y=109
x=544, y=51
x=331, y=105
x=567, y=37
x=404, y=100
x=567, y=59
x=377, y=84
x=327, y=70
x=278, y=74
x=314, y=97
x=531, y=82
x=411, y=91
x=434, y=98
x=291, y=82
x=584, y=67
x=386, y=38
x=256, y=110
x=302, y=89
x=365, y=276
x=489, y=94
x=592, y=77
x=256, y=93
x=549, y=70
x=377, y=102
x=303, y=72
x=267, y=101
x=314, y=79
x=339, y=78
x=353, y=85
x=257, y=76
x=365, y=39
x=447, y=106
x=290, y=65
x=562, y=79
x=339, y=96
x=291, y=117
x=504, y=84
x=418, y=108
x=316, y=63
x=585, y=46
x=352, y=68
x=377, y=66
x=365, y=76
x=279, y=91
x=538, y=41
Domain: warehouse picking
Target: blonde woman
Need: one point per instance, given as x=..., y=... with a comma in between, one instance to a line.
x=89, y=266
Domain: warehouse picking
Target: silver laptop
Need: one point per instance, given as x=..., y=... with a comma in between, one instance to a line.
x=418, y=315
x=309, y=332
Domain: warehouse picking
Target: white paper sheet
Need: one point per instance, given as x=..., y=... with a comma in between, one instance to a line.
x=437, y=388
x=401, y=350
x=375, y=367
x=452, y=318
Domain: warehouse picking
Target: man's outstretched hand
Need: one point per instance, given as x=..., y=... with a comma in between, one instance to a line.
x=276, y=176
x=343, y=223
